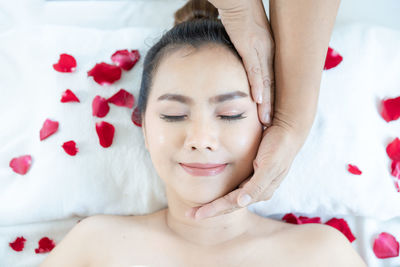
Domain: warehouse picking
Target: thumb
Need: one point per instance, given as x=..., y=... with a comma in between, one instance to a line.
x=251, y=190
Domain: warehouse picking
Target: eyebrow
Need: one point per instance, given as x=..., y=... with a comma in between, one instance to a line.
x=215, y=99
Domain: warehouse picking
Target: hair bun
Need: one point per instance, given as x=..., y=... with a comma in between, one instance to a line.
x=195, y=9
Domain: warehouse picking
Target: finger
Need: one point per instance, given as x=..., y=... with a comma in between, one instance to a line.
x=219, y=206
x=253, y=69
x=191, y=212
x=244, y=182
x=266, y=108
x=269, y=192
x=266, y=63
x=254, y=189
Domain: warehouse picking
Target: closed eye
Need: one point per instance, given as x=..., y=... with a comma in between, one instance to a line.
x=181, y=118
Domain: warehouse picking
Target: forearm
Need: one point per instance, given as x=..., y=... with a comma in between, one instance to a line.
x=301, y=31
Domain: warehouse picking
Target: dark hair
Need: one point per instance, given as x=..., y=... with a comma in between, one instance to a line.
x=196, y=24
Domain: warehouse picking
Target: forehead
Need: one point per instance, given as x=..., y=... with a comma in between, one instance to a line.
x=205, y=71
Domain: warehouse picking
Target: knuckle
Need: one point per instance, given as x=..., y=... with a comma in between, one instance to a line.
x=229, y=210
x=268, y=81
x=255, y=70
x=229, y=199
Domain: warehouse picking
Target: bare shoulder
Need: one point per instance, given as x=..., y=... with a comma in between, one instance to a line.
x=72, y=250
x=328, y=245
x=324, y=245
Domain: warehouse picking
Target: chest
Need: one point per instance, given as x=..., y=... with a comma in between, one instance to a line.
x=165, y=252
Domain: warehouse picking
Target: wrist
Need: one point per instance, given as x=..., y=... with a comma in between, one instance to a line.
x=229, y=5
x=297, y=133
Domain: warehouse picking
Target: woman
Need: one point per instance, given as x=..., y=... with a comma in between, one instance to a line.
x=202, y=131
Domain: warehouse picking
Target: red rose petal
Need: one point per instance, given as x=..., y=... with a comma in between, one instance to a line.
x=386, y=246
x=291, y=218
x=66, y=63
x=70, y=148
x=18, y=244
x=397, y=186
x=136, y=118
x=342, y=226
x=391, y=109
x=49, y=127
x=123, y=99
x=395, y=169
x=305, y=220
x=354, y=169
x=100, y=106
x=69, y=96
x=393, y=149
x=125, y=59
x=105, y=74
x=21, y=164
x=105, y=132
x=45, y=245
x=333, y=59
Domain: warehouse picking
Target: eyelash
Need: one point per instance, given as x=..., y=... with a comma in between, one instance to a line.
x=180, y=118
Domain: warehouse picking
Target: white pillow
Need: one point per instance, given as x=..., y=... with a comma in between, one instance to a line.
x=121, y=179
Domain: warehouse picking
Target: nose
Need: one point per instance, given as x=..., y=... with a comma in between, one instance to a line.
x=201, y=135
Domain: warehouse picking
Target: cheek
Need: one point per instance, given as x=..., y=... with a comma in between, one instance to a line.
x=163, y=145
x=243, y=142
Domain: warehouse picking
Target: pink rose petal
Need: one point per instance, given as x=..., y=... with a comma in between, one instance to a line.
x=386, y=246
x=45, y=245
x=69, y=96
x=136, y=118
x=333, y=59
x=100, y=106
x=21, y=164
x=105, y=132
x=354, y=169
x=123, y=99
x=18, y=244
x=70, y=148
x=391, y=109
x=393, y=149
x=49, y=127
x=66, y=63
x=342, y=226
x=125, y=59
x=105, y=74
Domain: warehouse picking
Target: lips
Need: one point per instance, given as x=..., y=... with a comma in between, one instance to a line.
x=199, y=169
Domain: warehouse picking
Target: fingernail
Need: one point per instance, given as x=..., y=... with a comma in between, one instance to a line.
x=259, y=99
x=244, y=200
x=268, y=119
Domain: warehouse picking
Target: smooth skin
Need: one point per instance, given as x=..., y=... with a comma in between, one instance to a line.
x=301, y=32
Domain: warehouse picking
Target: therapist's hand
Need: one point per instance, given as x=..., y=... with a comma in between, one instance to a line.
x=277, y=151
x=248, y=28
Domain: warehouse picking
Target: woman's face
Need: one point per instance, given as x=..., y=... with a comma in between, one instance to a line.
x=213, y=120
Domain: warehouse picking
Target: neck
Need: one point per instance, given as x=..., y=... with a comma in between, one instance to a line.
x=209, y=231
